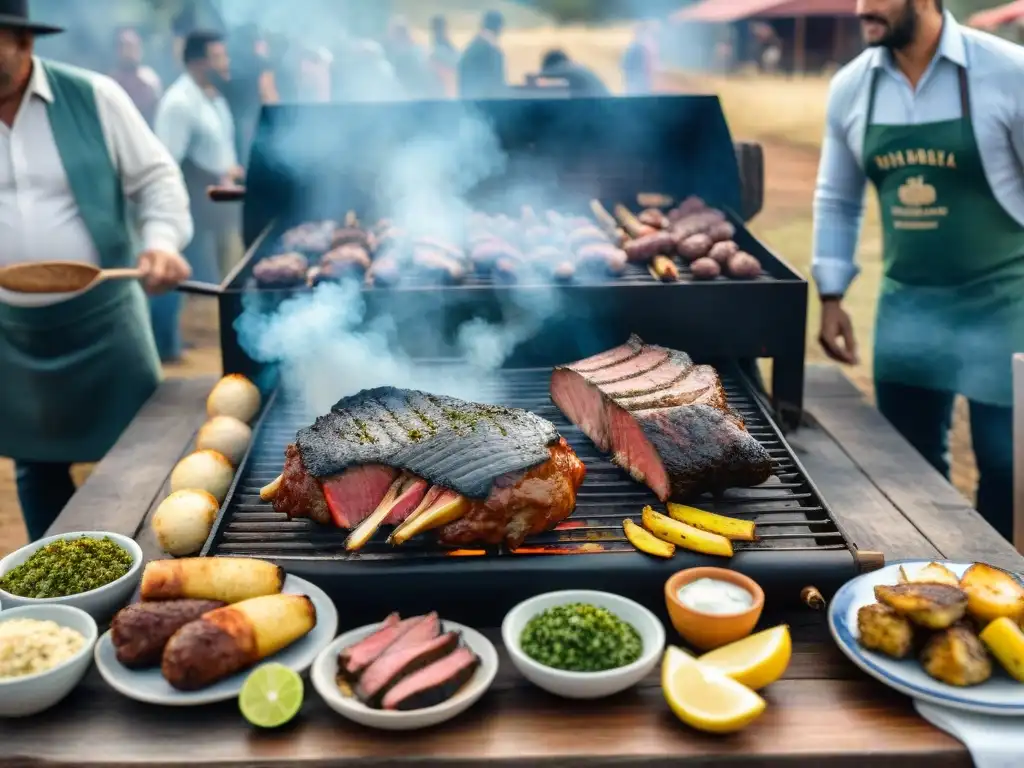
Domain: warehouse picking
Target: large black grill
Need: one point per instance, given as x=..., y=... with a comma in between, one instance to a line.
x=800, y=542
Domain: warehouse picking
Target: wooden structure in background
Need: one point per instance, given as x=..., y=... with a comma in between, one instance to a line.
x=816, y=31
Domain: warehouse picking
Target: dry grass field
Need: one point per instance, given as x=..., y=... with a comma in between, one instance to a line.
x=785, y=114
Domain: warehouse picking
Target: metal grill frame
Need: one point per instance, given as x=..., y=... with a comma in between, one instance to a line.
x=805, y=546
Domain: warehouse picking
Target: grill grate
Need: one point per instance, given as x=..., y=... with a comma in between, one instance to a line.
x=790, y=513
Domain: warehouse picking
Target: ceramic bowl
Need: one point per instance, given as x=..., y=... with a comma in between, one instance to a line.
x=100, y=603
x=706, y=631
x=584, y=685
x=325, y=670
x=32, y=694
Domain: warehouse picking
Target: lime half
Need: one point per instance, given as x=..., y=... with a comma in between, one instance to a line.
x=271, y=696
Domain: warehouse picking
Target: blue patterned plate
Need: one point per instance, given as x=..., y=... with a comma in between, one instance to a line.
x=149, y=686
x=1000, y=695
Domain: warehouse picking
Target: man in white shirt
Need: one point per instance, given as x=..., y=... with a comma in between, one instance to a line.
x=195, y=123
x=74, y=370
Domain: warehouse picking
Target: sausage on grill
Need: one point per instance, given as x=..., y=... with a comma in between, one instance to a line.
x=583, y=236
x=647, y=247
x=604, y=256
x=652, y=217
x=281, y=271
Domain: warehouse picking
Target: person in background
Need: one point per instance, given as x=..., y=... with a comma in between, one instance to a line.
x=444, y=58
x=482, y=65
x=361, y=72
x=252, y=84
x=194, y=122
x=638, y=62
x=768, y=45
x=74, y=370
x=412, y=67
x=932, y=114
x=140, y=82
x=582, y=81
x=315, y=75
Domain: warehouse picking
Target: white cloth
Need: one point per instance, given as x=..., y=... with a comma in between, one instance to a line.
x=197, y=126
x=39, y=219
x=994, y=742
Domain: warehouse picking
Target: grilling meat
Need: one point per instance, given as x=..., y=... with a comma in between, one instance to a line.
x=476, y=473
x=664, y=419
x=285, y=270
x=312, y=237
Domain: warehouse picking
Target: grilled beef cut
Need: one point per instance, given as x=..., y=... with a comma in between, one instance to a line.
x=477, y=473
x=664, y=419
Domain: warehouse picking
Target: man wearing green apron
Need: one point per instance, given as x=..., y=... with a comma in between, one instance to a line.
x=933, y=114
x=74, y=369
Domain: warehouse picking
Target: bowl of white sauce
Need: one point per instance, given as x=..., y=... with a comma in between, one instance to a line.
x=711, y=607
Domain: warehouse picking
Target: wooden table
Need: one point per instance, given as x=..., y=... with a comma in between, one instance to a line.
x=824, y=712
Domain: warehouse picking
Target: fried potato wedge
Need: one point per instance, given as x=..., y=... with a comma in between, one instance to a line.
x=933, y=573
x=883, y=630
x=957, y=657
x=647, y=542
x=992, y=594
x=686, y=536
x=934, y=606
x=732, y=528
x=1005, y=640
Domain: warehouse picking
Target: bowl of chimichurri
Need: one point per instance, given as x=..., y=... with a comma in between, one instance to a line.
x=91, y=570
x=583, y=644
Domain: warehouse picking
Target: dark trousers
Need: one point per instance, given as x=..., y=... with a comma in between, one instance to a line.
x=43, y=491
x=925, y=416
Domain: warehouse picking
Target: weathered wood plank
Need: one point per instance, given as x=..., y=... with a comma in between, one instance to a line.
x=924, y=497
x=125, y=483
x=863, y=511
x=823, y=380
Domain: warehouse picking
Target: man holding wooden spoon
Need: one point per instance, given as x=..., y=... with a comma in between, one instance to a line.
x=75, y=369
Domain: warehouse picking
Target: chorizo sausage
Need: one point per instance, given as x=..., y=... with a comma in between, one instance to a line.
x=647, y=247
x=139, y=632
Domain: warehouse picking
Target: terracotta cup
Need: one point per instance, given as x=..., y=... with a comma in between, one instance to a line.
x=707, y=631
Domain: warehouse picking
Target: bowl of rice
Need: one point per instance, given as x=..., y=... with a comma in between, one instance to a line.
x=45, y=651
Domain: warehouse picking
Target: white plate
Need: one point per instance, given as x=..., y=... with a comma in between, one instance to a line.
x=1000, y=695
x=149, y=686
x=325, y=669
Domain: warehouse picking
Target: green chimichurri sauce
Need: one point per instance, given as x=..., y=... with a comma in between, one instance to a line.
x=68, y=567
x=580, y=638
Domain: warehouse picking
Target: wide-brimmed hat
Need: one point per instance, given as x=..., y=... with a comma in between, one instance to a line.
x=14, y=15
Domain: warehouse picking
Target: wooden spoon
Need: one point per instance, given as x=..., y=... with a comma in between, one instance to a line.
x=74, y=277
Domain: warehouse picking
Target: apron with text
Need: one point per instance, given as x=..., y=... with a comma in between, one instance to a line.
x=951, y=309
x=74, y=374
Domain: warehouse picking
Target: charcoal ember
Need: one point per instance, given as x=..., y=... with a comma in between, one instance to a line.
x=583, y=236
x=652, y=217
x=284, y=270
x=310, y=237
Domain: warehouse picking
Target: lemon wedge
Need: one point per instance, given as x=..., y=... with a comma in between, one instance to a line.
x=704, y=698
x=756, y=661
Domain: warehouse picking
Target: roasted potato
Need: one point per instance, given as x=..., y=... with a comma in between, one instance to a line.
x=883, y=630
x=956, y=656
x=933, y=573
x=705, y=269
x=695, y=247
x=992, y=594
x=934, y=606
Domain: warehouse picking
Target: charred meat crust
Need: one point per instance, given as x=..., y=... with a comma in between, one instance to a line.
x=717, y=455
x=435, y=683
x=140, y=632
x=201, y=653
x=449, y=442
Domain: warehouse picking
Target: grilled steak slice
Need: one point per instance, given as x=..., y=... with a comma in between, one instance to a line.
x=433, y=684
x=664, y=420
x=517, y=475
x=387, y=670
x=355, y=658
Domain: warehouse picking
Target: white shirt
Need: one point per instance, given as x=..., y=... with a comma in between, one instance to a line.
x=995, y=77
x=39, y=219
x=197, y=126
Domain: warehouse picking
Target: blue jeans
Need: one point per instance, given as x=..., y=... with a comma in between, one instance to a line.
x=925, y=416
x=44, y=490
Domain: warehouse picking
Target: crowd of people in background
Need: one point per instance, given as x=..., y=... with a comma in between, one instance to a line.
x=203, y=98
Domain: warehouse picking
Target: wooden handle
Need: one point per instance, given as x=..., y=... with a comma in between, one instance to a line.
x=128, y=273
x=226, y=194
x=869, y=561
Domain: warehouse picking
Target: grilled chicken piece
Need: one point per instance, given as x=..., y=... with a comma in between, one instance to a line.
x=933, y=606
x=883, y=630
x=933, y=573
x=956, y=656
